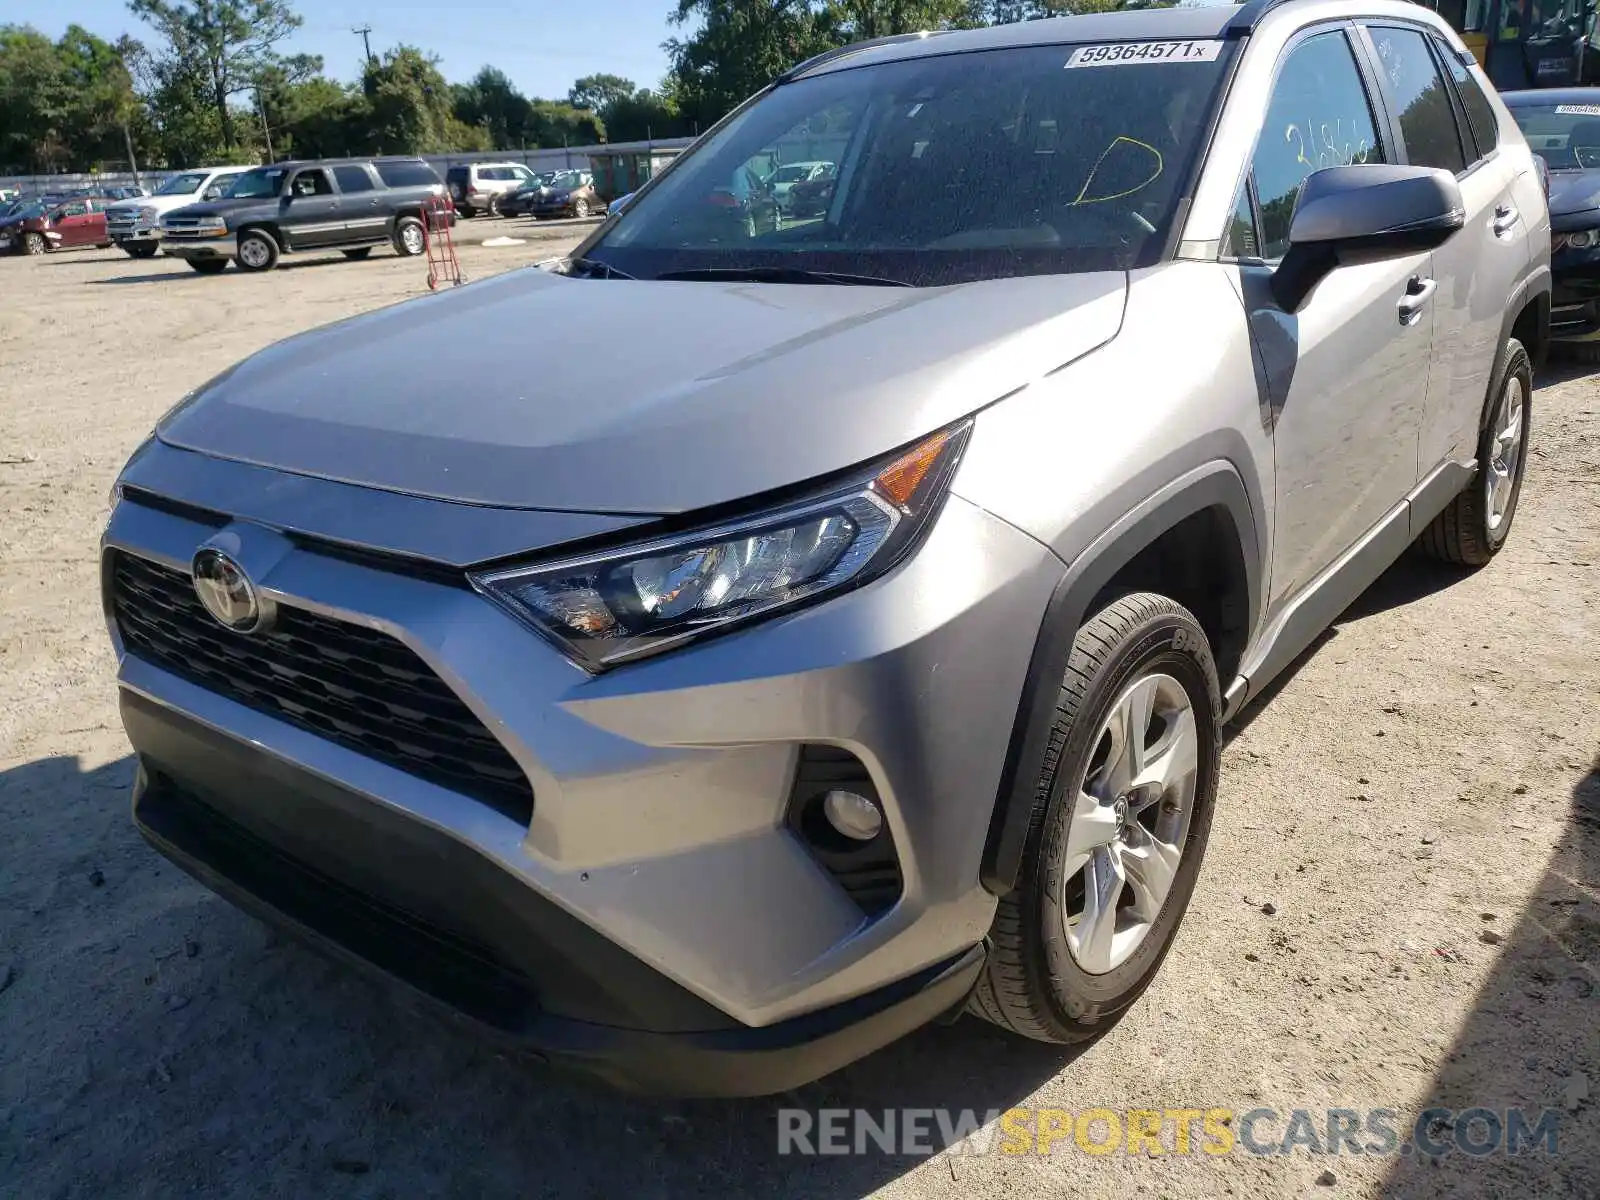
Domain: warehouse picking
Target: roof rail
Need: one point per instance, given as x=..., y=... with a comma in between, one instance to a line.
x=828, y=56
x=1250, y=15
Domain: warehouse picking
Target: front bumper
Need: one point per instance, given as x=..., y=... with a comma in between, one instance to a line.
x=391, y=895
x=190, y=246
x=1575, y=295
x=121, y=232
x=660, y=790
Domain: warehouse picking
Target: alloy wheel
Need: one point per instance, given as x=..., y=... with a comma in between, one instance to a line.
x=411, y=236
x=1500, y=479
x=1129, y=822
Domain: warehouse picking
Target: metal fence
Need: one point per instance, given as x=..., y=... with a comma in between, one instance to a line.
x=538, y=160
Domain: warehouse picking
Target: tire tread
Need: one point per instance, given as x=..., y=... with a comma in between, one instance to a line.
x=1004, y=995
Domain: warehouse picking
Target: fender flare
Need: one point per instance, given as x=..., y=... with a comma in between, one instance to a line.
x=1215, y=485
x=1536, y=288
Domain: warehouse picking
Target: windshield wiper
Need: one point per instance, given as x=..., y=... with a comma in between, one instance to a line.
x=593, y=268
x=780, y=275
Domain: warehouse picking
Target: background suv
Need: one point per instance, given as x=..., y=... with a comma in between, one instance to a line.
x=134, y=225
x=480, y=187
x=864, y=659
x=348, y=205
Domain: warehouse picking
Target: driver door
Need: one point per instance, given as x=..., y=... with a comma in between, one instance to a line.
x=1348, y=372
x=75, y=225
x=312, y=213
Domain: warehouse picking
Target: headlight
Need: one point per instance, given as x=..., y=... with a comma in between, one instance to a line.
x=147, y=215
x=611, y=608
x=1583, y=239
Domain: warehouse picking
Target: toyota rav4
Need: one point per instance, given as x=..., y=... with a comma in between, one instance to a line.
x=863, y=659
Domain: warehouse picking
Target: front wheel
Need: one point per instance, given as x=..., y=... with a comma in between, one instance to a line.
x=140, y=249
x=1477, y=522
x=580, y=208
x=34, y=243
x=409, y=238
x=257, y=251
x=207, y=266
x=1122, y=810
x=359, y=252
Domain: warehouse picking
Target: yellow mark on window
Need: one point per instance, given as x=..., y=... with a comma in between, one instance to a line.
x=1131, y=145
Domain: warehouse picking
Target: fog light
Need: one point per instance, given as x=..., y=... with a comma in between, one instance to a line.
x=852, y=815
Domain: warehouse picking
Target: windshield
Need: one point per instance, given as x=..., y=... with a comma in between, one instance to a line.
x=257, y=185
x=566, y=179
x=791, y=173
x=951, y=168
x=26, y=210
x=1567, y=136
x=182, y=185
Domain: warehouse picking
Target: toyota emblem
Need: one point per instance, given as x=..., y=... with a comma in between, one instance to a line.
x=226, y=591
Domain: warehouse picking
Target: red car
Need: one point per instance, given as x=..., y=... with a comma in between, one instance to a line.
x=66, y=223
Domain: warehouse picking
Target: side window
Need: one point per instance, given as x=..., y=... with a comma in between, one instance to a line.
x=1319, y=116
x=311, y=183
x=78, y=208
x=1241, y=240
x=1427, y=118
x=1481, y=116
x=353, y=179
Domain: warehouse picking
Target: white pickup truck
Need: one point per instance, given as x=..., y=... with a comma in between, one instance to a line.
x=134, y=226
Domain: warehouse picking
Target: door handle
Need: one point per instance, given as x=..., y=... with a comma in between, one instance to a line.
x=1418, y=292
x=1505, y=220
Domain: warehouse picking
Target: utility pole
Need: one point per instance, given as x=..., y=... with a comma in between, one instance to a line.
x=266, y=132
x=365, y=33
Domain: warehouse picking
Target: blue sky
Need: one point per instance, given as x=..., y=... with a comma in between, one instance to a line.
x=542, y=44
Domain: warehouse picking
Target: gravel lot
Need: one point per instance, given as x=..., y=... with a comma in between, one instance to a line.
x=1418, y=807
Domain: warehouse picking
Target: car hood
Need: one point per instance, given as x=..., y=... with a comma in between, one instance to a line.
x=1574, y=192
x=218, y=208
x=635, y=396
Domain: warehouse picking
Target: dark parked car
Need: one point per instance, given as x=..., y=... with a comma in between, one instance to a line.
x=349, y=205
x=38, y=227
x=1562, y=126
x=568, y=194
x=520, y=202
x=810, y=197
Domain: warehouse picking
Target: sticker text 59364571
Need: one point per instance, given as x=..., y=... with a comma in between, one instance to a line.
x=1128, y=54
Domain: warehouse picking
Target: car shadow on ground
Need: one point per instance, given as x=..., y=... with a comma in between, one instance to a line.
x=171, y=1039
x=299, y=262
x=1529, y=1051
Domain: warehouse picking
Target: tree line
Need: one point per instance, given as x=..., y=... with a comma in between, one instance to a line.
x=209, y=82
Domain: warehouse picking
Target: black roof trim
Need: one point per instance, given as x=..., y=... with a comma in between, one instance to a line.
x=1247, y=18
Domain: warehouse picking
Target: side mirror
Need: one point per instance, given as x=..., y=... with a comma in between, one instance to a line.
x=213, y=193
x=1363, y=212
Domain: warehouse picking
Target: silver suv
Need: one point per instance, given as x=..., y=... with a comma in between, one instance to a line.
x=863, y=658
x=480, y=187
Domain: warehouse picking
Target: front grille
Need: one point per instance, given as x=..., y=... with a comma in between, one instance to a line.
x=354, y=686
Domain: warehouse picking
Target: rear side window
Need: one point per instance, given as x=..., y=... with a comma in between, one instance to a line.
x=1319, y=116
x=413, y=174
x=353, y=179
x=1427, y=118
x=1480, y=113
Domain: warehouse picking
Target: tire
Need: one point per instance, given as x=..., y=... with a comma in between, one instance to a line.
x=258, y=251
x=1471, y=530
x=141, y=249
x=1035, y=983
x=358, y=253
x=410, y=239
x=467, y=211
x=580, y=208
x=34, y=243
x=207, y=266
x=494, y=207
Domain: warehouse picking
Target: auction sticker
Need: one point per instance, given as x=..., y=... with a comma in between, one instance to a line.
x=1578, y=110
x=1121, y=54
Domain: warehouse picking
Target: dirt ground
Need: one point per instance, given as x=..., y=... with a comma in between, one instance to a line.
x=1400, y=905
